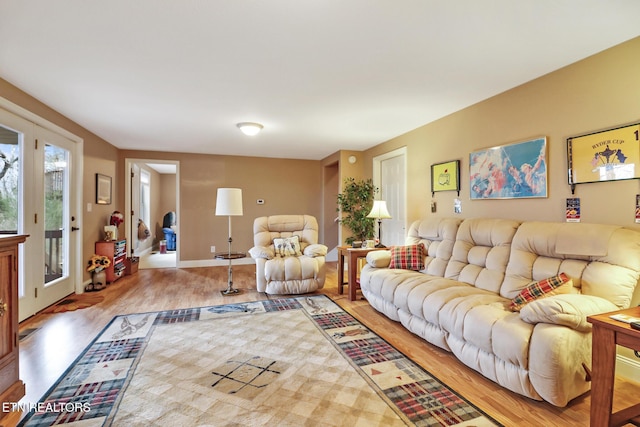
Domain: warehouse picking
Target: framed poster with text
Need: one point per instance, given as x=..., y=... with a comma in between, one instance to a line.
x=608, y=155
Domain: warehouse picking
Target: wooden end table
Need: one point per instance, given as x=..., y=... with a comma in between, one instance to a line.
x=608, y=332
x=352, y=255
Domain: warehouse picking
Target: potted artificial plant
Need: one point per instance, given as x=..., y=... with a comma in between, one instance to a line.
x=355, y=203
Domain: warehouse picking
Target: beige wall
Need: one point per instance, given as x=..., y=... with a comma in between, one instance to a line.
x=596, y=93
x=599, y=92
x=287, y=187
x=99, y=157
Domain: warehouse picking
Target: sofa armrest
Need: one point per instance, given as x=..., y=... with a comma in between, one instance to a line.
x=569, y=310
x=315, y=249
x=379, y=259
x=265, y=252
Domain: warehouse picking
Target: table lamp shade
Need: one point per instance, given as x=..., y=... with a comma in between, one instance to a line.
x=379, y=210
x=229, y=202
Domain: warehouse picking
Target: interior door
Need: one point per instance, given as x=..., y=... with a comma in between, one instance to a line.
x=36, y=199
x=390, y=178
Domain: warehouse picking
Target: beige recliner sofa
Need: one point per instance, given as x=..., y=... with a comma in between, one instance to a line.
x=461, y=300
x=289, y=259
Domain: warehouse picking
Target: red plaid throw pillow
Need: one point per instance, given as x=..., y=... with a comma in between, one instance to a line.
x=539, y=289
x=409, y=257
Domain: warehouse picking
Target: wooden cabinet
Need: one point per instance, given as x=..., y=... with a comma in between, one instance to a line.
x=116, y=251
x=11, y=387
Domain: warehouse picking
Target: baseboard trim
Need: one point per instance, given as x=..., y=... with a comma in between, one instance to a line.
x=628, y=368
x=214, y=262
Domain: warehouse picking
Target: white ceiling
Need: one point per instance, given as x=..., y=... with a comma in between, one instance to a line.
x=320, y=75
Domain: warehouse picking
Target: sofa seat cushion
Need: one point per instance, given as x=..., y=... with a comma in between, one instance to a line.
x=508, y=375
x=492, y=328
x=396, y=286
x=289, y=287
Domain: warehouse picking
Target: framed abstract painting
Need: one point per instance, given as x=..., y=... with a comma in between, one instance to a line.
x=509, y=171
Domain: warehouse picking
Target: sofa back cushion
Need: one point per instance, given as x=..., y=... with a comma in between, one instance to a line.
x=602, y=260
x=438, y=236
x=481, y=252
x=268, y=228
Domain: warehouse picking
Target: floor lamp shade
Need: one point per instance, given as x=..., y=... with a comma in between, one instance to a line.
x=229, y=202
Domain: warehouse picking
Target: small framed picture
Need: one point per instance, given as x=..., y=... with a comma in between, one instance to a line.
x=445, y=176
x=103, y=189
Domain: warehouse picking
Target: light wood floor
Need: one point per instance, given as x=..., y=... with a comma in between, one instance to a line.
x=60, y=338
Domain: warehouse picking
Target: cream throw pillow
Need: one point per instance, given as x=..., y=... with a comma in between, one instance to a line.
x=289, y=246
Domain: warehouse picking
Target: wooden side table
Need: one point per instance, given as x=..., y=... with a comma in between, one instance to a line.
x=608, y=332
x=352, y=255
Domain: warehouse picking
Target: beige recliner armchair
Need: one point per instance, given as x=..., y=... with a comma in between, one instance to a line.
x=289, y=259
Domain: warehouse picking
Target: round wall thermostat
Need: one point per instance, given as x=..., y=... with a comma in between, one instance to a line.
x=352, y=159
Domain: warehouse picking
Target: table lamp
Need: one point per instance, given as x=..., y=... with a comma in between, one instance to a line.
x=380, y=212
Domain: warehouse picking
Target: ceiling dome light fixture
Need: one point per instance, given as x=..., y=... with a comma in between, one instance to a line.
x=249, y=128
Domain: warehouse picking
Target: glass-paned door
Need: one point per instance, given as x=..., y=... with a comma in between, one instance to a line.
x=36, y=199
x=53, y=163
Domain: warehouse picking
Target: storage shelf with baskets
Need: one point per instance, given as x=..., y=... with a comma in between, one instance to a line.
x=116, y=251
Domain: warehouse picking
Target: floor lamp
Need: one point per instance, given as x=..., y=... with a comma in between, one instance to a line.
x=380, y=212
x=229, y=203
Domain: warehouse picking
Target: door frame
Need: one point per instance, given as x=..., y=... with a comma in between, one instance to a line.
x=128, y=164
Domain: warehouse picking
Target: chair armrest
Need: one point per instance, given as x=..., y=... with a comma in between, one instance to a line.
x=569, y=310
x=315, y=250
x=266, y=252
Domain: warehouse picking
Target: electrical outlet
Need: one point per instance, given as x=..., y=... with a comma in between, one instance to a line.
x=213, y=249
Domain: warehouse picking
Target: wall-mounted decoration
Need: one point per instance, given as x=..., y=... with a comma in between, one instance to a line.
x=103, y=189
x=608, y=155
x=572, y=211
x=509, y=171
x=445, y=176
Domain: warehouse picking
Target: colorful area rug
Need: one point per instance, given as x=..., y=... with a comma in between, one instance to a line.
x=74, y=302
x=285, y=362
